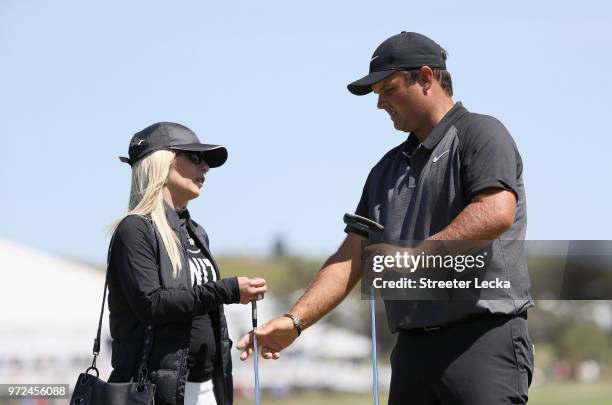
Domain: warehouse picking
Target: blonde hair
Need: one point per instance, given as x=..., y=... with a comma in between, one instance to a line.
x=149, y=176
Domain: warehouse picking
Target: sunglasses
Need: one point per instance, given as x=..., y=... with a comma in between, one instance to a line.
x=194, y=157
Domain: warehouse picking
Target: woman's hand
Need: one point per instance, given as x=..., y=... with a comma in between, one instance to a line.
x=251, y=289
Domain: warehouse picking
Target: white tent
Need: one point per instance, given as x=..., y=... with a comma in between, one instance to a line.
x=49, y=315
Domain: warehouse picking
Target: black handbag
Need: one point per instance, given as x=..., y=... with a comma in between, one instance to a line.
x=91, y=390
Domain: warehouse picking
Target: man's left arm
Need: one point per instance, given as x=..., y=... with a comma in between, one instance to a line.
x=491, y=167
x=489, y=214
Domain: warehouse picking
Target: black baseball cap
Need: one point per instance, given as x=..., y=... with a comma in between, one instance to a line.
x=404, y=51
x=173, y=136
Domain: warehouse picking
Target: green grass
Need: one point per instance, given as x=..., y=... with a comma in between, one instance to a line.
x=570, y=393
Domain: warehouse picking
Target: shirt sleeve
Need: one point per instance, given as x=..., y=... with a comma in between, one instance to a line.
x=133, y=262
x=362, y=209
x=489, y=158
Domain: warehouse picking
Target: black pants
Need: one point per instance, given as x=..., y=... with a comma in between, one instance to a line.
x=488, y=361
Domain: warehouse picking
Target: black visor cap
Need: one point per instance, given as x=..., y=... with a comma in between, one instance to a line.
x=172, y=136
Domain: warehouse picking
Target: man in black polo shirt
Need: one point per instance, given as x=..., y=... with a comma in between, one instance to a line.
x=458, y=176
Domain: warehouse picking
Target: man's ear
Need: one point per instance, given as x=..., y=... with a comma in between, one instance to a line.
x=426, y=77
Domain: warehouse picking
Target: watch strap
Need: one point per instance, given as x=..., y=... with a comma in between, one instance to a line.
x=296, y=322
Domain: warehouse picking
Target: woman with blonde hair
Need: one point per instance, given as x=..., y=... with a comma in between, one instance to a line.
x=165, y=294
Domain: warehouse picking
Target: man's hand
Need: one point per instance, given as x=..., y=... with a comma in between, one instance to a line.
x=273, y=336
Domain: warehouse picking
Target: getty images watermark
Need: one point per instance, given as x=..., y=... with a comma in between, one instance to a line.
x=409, y=262
x=487, y=270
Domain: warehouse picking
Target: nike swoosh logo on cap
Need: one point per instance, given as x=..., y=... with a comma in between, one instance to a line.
x=136, y=142
x=436, y=158
x=374, y=58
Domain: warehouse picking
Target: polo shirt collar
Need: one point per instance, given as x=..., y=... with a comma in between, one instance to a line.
x=411, y=144
x=440, y=130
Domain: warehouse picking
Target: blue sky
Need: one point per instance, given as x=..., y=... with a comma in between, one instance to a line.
x=268, y=80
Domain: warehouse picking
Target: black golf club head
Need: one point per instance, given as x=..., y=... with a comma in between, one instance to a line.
x=362, y=223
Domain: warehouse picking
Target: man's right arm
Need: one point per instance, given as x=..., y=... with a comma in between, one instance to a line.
x=331, y=285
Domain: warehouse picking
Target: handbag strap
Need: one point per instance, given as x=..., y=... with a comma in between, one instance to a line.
x=96, y=346
x=148, y=336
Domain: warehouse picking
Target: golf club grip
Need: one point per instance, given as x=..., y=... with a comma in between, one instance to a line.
x=254, y=313
x=362, y=223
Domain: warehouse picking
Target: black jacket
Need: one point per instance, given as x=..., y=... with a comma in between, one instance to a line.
x=143, y=292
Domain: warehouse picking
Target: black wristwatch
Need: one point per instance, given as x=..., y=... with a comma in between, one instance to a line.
x=296, y=322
